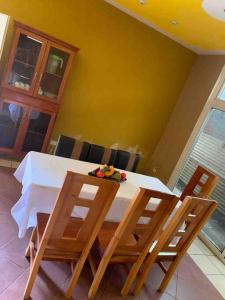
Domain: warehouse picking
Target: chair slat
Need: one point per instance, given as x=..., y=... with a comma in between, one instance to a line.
x=180, y=233
x=148, y=213
x=83, y=202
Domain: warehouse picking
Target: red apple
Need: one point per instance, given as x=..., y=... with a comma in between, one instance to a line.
x=123, y=176
x=100, y=174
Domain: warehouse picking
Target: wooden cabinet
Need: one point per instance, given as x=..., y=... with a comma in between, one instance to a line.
x=24, y=128
x=32, y=88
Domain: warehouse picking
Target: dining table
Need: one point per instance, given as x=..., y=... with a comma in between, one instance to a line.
x=42, y=176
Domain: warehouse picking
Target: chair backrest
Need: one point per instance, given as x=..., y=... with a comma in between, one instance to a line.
x=201, y=184
x=64, y=146
x=144, y=219
x=109, y=157
x=95, y=154
x=136, y=162
x=72, y=148
x=101, y=155
x=74, y=193
x=176, y=238
x=185, y=226
x=80, y=150
x=126, y=160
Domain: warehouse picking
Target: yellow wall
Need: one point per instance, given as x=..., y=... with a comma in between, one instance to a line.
x=125, y=80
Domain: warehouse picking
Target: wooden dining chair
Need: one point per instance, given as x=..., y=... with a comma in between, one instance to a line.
x=129, y=242
x=176, y=238
x=59, y=236
x=201, y=184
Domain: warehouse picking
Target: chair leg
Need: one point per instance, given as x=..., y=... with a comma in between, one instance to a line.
x=75, y=276
x=169, y=274
x=32, y=275
x=33, y=239
x=132, y=275
x=98, y=277
x=142, y=278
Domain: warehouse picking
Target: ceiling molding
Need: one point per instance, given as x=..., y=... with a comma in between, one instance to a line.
x=212, y=52
x=194, y=49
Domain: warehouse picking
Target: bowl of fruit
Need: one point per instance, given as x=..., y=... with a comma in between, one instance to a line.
x=109, y=172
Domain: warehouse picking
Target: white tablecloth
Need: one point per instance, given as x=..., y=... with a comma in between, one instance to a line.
x=42, y=176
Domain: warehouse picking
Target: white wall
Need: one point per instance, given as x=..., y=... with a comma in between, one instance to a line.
x=3, y=28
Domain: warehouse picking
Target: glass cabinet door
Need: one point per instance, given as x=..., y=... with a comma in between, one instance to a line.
x=53, y=73
x=24, y=65
x=36, y=132
x=10, y=119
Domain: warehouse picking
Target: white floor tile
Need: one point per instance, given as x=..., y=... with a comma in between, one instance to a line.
x=219, y=282
x=218, y=264
x=207, y=266
x=198, y=247
x=194, y=249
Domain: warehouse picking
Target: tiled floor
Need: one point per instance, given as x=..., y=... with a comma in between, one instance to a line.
x=210, y=265
x=188, y=283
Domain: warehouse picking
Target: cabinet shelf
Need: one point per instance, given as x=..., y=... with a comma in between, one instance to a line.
x=36, y=133
x=24, y=63
x=53, y=74
x=22, y=76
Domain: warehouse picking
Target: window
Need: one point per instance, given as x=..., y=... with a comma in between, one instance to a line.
x=221, y=95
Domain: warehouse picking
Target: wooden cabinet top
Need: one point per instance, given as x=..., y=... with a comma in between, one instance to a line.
x=46, y=36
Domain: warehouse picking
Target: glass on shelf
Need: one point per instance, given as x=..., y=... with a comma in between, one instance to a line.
x=26, y=57
x=53, y=74
x=10, y=119
x=37, y=129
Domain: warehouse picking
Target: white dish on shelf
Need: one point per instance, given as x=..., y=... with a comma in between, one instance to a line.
x=49, y=95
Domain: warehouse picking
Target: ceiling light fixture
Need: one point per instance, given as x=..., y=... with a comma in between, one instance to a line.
x=174, y=22
x=142, y=2
x=214, y=8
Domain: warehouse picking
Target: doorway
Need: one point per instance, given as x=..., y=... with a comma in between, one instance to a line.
x=208, y=151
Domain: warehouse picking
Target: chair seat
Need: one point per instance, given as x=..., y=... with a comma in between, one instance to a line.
x=71, y=231
x=104, y=237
